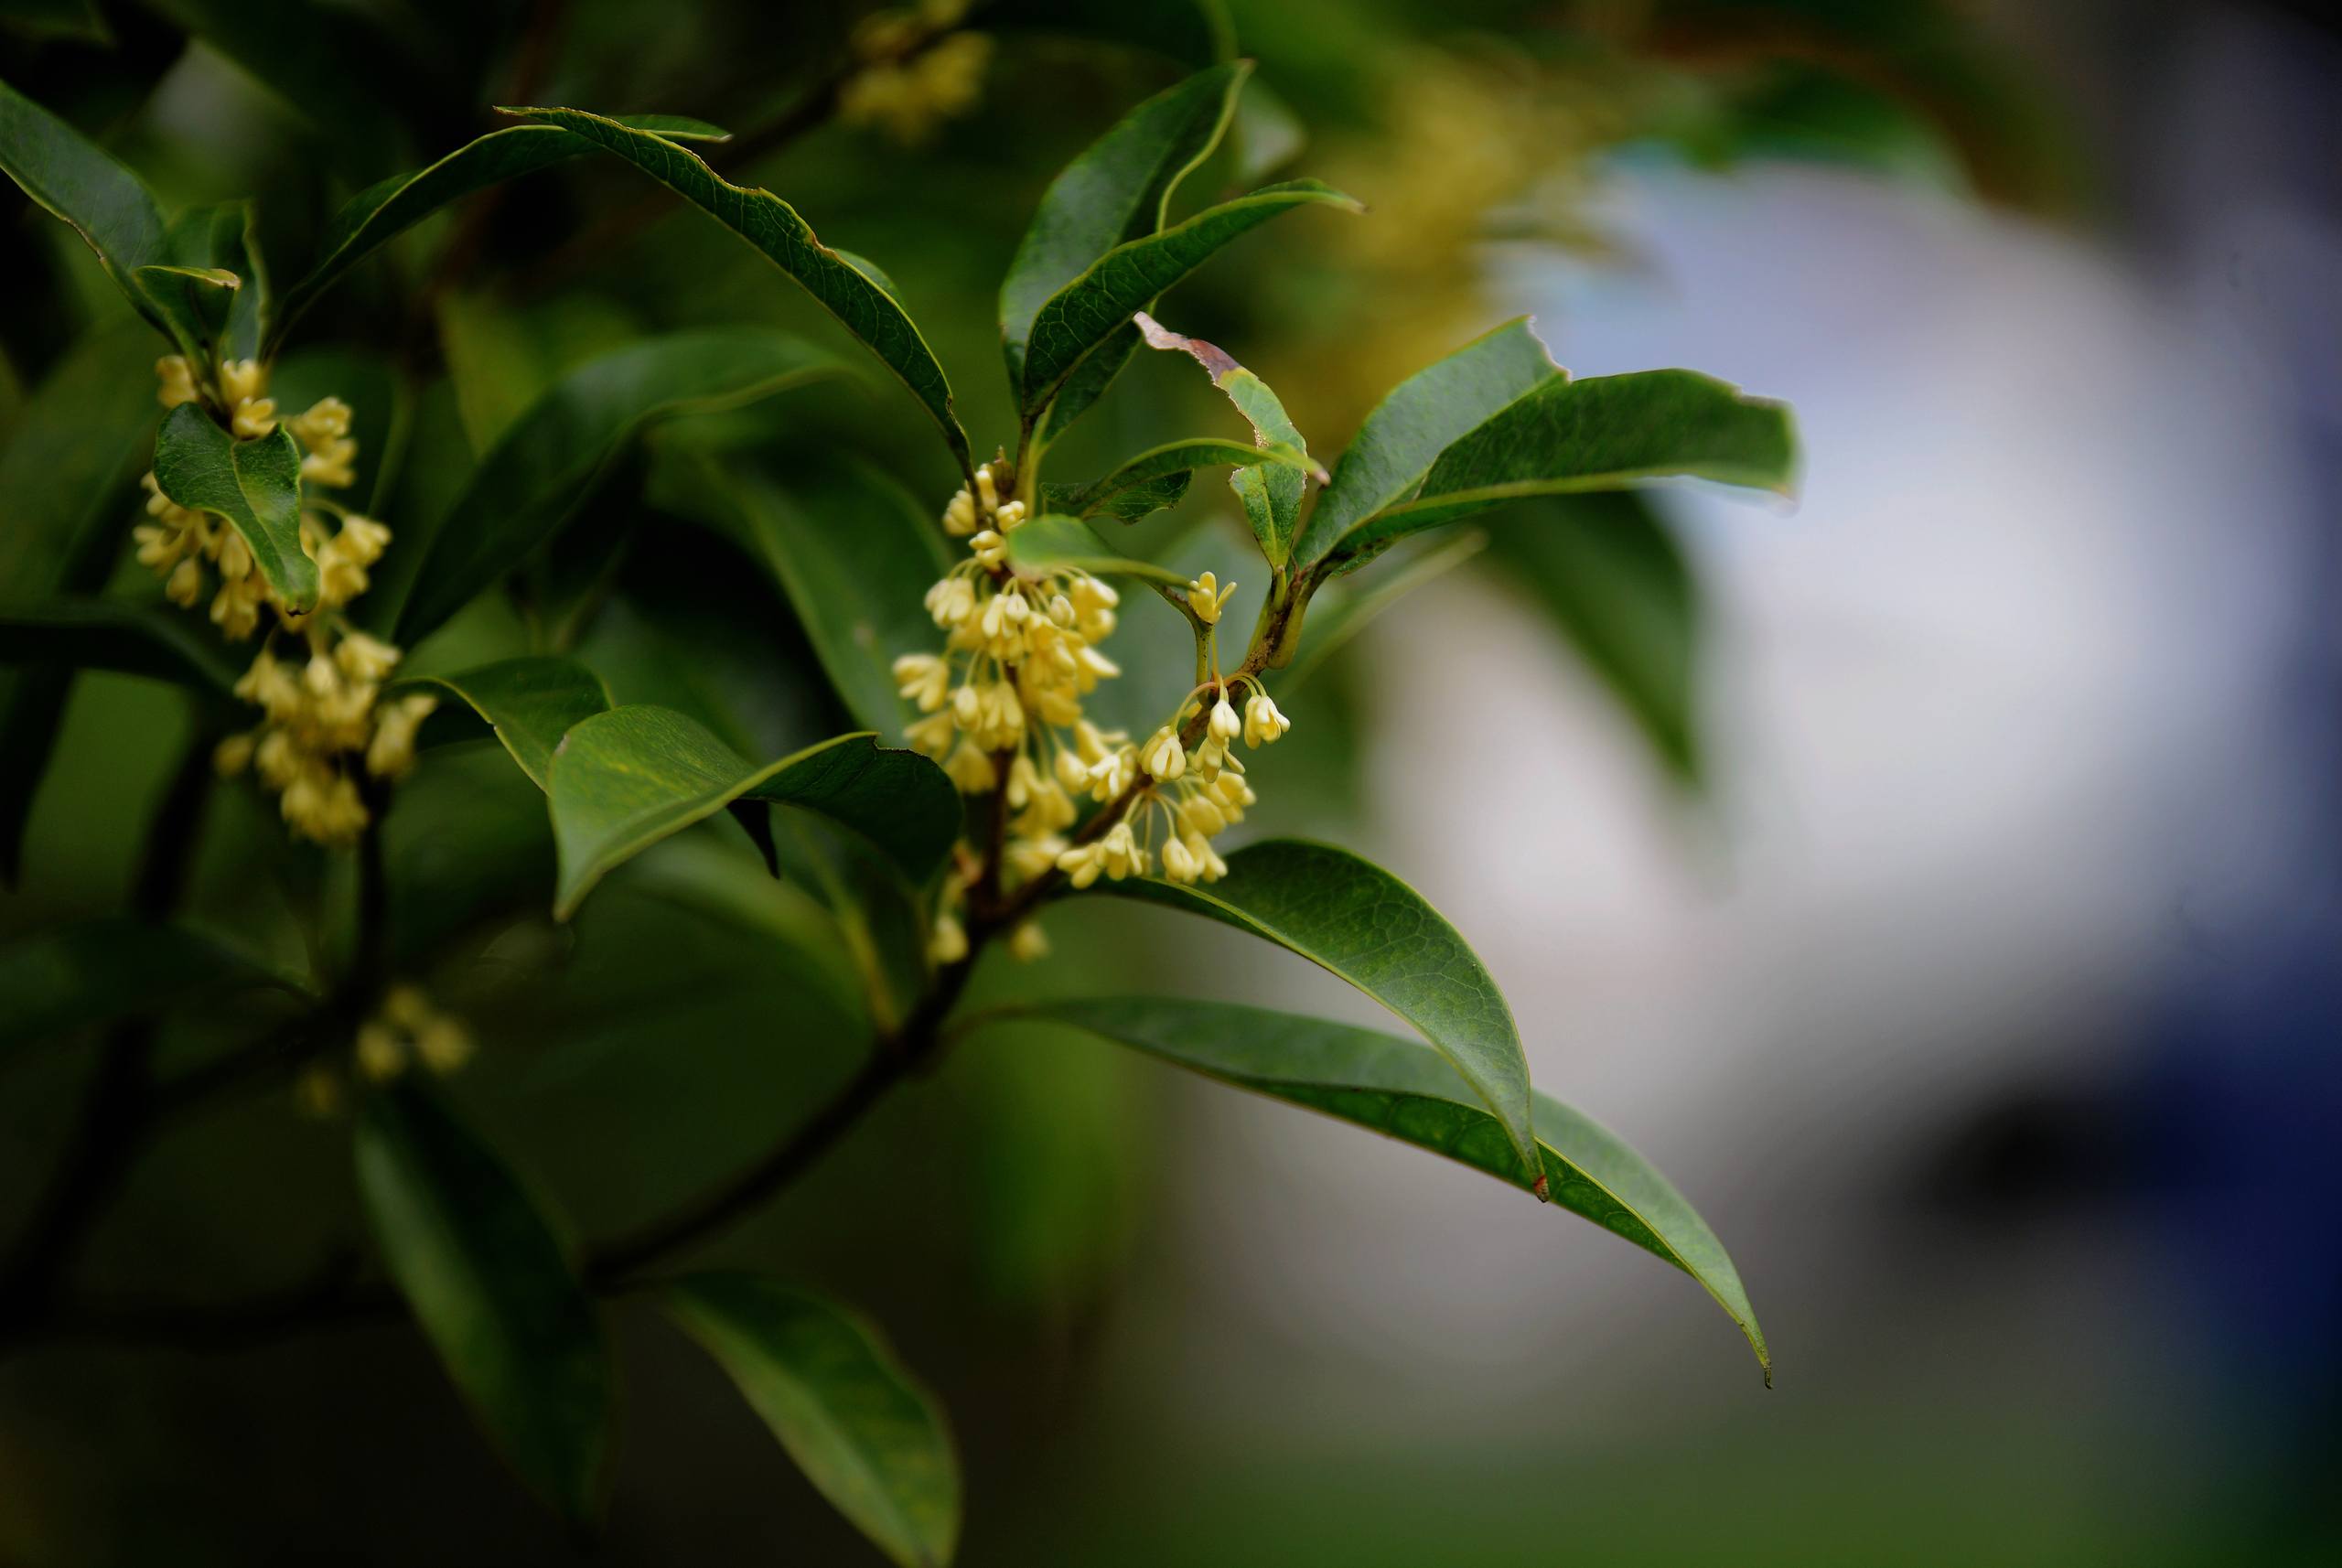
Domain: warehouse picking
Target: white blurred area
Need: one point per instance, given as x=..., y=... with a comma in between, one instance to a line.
x=1989, y=741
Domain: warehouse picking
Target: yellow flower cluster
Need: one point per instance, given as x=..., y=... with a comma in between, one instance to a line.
x=906, y=86
x=323, y=721
x=406, y=1032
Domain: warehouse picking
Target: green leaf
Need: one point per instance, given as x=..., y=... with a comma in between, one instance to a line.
x=1080, y=317
x=1149, y=471
x=1358, y=922
x=1054, y=541
x=194, y=302
x=494, y=1290
x=1117, y=191
x=338, y=66
x=1143, y=499
x=1601, y=433
x=1421, y=418
x=853, y=552
x=221, y=238
x=625, y=779
x=54, y=982
x=865, y=1434
x=1271, y=496
x=255, y=484
x=74, y=632
x=389, y=208
x=773, y=227
x=1397, y=1088
x=530, y=703
x=541, y=469
x=1334, y=616
x=65, y=482
x=1607, y=571
x=70, y=178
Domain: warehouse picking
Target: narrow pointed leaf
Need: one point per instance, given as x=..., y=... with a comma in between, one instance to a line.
x=1357, y=921
x=1176, y=460
x=1421, y=418
x=853, y=552
x=1143, y=499
x=1054, y=541
x=544, y=466
x=389, y=208
x=866, y=1435
x=255, y=484
x=1271, y=496
x=221, y=238
x=1601, y=433
x=625, y=779
x=1399, y=1089
x=773, y=227
x=339, y=66
x=1084, y=313
x=494, y=1290
x=69, y=177
x=54, y=982
x=529, y=704
x=1116, y=190
x=194, y=304
x=78, y=632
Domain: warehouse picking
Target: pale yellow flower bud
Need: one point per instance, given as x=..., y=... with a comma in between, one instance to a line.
x=1264, y=724
x=1161, y=756
x=444, y=1044
x=1225, y=725
x=185, y=585
x=1027, y=943
x=948, y=942
x=232, y=756
x=381, y=1054
x=1208, y=597
x=364, y=658
x=970, y=768
x=240, y=379
x=177, y=378
x=255, y=417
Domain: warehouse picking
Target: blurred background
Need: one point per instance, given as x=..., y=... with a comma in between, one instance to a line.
x=1937, y=878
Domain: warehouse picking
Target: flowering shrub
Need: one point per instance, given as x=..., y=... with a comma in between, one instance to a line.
x=977, y=793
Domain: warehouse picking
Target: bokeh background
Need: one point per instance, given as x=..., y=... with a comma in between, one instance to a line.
x=1937, y=878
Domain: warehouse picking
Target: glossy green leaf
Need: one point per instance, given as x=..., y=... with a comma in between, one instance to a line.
x=221, y=238
x=625, y=779
x=255, y=484
x=76, y=632
x=538, y=472
x=1271, y=495
x=54, y=982
x=853, y=552
x=494, y=1290
x=1600, y=434
x=1176, y=460
x=66, y=479
x=773, y=227
x=866, y=1435
x=1609, y=573
x=1358, y=922
x=1055, y=542
x=389, y=208
x=194, y=304
x=1080, y=317
x=1143, y=499
x=338, y=66
x=530, y=703
x=1117, y=191
x=1335, y=616
x=1421, y=418
x=1397, y=1088
x=73, y=179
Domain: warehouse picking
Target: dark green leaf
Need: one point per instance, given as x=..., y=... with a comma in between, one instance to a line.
x=1601, y=433
x=1271, y=496
x=625, y=779
x=1055, y=542
x=386, y=209
x=72, y=632
x=338, y=66
x=194, y=302
x=65, y=484
x=55, y=20
x=854, y=553
x=1421, y=418
x=1117, y=191
x=494, y=1290
x=1397, y=1088
x=255, y=484
x=70, y=178
x=1143, y=499
x=865, y=1434
x=530, y=703
x=221, y=238
x=1335, y=616
x=1608, y=572
x=533, y=480
x=115, y=967
x=1149, y=471
x=1357, y=921
x=773, y=227
x=1082, y=315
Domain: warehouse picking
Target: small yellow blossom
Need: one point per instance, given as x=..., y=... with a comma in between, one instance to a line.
x=1028, y=943
x=1264, y=724
x=1208, y=597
